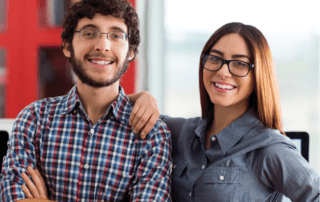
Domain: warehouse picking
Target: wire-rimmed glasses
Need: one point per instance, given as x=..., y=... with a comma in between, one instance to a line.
x=94, y=35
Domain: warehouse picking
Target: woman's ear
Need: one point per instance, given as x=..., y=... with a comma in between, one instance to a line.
x=66, y=49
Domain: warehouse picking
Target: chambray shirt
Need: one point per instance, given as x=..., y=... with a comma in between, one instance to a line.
x=246, y=162
x=81, y=161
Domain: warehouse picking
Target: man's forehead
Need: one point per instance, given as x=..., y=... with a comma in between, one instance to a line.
x=103, y=22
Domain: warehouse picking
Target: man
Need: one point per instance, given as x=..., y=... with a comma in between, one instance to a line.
x=81, y=143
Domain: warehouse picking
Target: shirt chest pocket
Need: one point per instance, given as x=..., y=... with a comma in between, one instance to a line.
x=222, y=183
x=222, y=175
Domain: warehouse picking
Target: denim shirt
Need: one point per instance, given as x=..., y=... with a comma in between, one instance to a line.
x=246, y=162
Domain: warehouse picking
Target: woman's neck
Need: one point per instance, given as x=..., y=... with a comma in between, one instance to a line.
x=223, y=116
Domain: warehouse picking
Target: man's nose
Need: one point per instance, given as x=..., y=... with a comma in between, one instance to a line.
x=103, y=43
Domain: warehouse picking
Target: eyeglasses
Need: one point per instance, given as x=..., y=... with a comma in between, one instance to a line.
x=236, y=67
x=94, y=35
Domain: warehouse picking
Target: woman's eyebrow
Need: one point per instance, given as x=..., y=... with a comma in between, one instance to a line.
x=233, y=56
x=241, y=56
x=216, y=51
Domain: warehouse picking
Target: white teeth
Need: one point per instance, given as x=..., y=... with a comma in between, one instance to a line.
x=224, y=86
x=101, y=62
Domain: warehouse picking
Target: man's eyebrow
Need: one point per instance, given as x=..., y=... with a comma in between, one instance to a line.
x=89, y=26
x=93, y=26
x=233, y=56
x=116, y=28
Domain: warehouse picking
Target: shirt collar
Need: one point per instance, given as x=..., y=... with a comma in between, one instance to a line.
x=229, y=136
x=121, y=107
x=69, y=101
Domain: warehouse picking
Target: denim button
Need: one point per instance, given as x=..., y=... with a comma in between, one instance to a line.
x=190, y=194
x=203, y=167
x=221, y=177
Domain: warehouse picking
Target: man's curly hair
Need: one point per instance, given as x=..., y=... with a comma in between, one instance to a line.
x=122, y=9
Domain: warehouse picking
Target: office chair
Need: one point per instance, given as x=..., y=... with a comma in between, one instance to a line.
x=301, y=139
x=4, y=136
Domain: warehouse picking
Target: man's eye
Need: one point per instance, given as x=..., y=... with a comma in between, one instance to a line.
x=88, y=33
x=117, y=36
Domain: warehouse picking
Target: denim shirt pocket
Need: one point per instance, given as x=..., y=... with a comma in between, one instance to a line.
x=222, y=183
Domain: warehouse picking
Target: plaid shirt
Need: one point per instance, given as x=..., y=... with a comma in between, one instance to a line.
x=81, y=161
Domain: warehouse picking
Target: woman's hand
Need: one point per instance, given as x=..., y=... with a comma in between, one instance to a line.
x=145, y=113
x=37, y=189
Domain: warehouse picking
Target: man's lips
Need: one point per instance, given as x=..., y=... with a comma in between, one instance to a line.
x=223, y=85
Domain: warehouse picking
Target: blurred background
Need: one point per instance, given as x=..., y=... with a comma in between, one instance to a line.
x=173, y=33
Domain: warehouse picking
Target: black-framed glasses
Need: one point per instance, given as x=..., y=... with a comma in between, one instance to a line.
x=236, y=67
x=94, y=35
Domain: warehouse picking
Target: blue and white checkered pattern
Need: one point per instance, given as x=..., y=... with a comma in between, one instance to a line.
x=81, y=161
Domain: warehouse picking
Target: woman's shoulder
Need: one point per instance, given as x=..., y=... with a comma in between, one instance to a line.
x=174, y=123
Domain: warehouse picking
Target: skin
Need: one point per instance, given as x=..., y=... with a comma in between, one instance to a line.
x=228, y=104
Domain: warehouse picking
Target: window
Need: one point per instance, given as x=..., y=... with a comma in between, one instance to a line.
x=3, y=15
x=54, y=70
x=293, y=36
x=2, y=82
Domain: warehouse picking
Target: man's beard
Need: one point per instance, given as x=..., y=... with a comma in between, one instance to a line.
x=79, y=70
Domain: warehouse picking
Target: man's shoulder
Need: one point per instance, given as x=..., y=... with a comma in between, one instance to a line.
x=45, y=105
x=159, y=131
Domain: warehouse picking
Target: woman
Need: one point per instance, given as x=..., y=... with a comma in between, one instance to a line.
x=237, y=150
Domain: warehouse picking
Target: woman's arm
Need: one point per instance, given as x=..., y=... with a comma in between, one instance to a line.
x=282, y=167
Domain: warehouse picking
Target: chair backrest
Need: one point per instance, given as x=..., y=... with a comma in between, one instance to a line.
x=301, y=139
x=4, y=136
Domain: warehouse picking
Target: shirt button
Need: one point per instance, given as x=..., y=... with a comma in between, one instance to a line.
x=203, y=167
x=74, y=111
x=190, y=194
x=221, y=177
x=86, y=166
x=213, y=138
x=174, y=166
x=91, y=131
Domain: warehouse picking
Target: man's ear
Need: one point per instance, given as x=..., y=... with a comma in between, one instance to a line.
x=131, y=56
x=66, y=49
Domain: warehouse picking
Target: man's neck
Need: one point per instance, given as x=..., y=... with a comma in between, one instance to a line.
x=97, y=100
